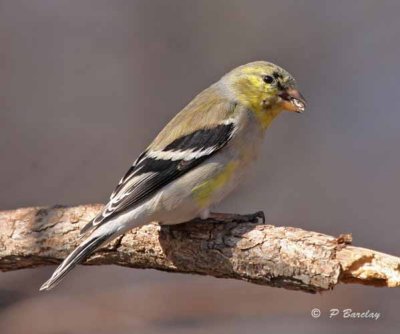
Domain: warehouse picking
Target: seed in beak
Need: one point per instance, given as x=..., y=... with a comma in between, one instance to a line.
x=293, y=100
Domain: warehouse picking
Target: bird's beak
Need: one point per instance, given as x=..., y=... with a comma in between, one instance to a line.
x=292, y=100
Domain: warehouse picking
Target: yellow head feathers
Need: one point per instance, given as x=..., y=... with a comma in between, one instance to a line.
x=264, y=88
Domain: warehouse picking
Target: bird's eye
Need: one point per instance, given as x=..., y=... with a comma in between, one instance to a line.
x=268, y=79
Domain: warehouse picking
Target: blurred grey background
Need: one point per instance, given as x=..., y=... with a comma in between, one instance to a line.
x=84, y=87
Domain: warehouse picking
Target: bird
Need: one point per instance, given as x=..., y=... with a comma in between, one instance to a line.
x=199, y=157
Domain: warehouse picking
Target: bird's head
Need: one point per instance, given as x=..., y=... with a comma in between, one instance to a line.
x=264, y=88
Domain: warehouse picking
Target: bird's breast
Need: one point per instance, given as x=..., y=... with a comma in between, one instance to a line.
x=231, y=164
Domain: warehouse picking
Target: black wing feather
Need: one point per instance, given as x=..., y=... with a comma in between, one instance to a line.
x=149, y=174
x=202, y=139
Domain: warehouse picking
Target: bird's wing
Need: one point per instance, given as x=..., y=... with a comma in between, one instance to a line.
x=156, y=168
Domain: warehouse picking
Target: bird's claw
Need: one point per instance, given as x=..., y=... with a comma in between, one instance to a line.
x=237, y=218
x=256, y=217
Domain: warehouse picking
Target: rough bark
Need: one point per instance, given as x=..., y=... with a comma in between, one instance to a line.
x=284, y=257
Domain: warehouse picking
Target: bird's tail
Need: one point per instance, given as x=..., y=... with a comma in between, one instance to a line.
x=80, y=253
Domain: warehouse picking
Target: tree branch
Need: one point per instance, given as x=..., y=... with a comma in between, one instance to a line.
x=285, y=257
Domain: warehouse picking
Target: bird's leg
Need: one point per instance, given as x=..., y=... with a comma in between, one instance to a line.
x=232, y=217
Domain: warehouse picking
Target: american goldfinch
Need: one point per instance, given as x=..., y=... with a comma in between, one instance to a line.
x=196, y=160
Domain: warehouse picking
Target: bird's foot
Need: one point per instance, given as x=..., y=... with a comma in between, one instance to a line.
x=237, y=218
